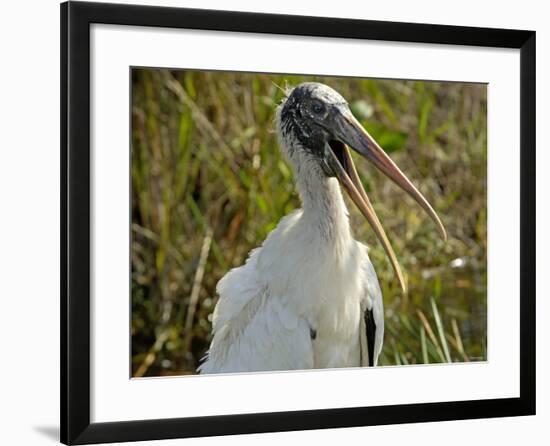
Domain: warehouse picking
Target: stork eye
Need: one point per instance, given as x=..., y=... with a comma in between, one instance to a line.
x=317, y=108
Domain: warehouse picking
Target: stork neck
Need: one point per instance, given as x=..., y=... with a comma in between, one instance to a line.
x=323, y=205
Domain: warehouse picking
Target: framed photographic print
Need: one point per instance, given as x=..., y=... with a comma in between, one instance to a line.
x=279, y=222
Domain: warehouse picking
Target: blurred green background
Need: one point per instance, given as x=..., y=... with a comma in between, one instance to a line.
x=209, y=183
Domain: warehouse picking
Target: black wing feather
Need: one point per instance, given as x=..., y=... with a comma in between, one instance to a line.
x=371, y=334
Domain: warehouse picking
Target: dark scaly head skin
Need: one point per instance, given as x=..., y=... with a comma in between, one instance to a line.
x=308, y=115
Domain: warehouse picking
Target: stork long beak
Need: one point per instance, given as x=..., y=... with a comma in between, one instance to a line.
x=337, y=156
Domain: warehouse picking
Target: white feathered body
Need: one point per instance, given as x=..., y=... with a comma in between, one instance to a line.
x=299, y=301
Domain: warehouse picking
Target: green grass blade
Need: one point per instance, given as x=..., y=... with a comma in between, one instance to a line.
x=440, y=331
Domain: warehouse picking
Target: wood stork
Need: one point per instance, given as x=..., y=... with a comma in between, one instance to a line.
x=309, y=296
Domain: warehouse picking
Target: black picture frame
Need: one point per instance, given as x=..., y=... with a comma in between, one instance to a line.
x=76, y=18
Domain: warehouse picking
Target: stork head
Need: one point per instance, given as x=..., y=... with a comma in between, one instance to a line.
x=317, y=121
